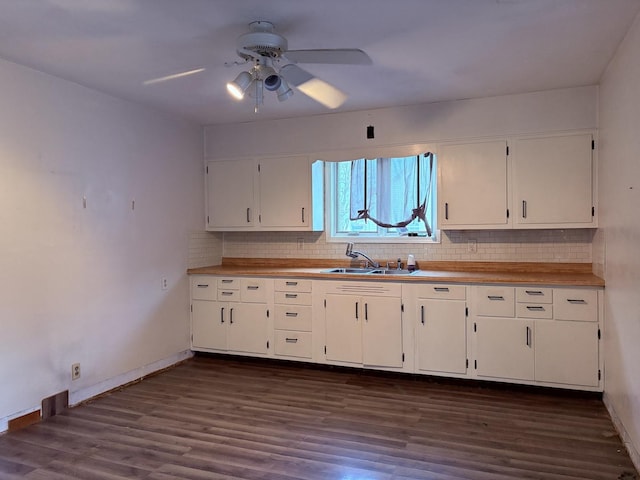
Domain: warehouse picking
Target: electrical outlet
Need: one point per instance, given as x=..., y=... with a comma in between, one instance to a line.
x=75, y=371
x=164, y=283
x=472, y=246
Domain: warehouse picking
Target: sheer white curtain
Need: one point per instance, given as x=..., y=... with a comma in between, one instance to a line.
x=391, y=192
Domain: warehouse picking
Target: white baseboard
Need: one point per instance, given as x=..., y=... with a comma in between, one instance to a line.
x=84, y=394
x=624, y=435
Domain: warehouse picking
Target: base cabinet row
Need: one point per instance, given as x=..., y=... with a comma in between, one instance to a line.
x=546, y=336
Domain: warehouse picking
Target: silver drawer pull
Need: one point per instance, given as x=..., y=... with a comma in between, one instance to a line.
x=533, y=292
x=290, y=295
x=252, y=287
x=534, y=308
x=576, y=301
x=495, y=297
x=203, y=285
x=227, y=281
x=226, y=293
x=291, y=284
x=291, y=314
x=441, y=289
x=291, y=340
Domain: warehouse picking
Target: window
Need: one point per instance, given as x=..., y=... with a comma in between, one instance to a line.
x=385, y=199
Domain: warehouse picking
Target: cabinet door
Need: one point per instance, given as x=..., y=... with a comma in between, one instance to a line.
x=567, y=352
x=209, y=325
x=442, y=336
x=473, y=185
x=230, y=199
x=504, y=348
x=343, y=328
x=248, y=330
x=552, y=181
x=285, y=192
x=382, y=331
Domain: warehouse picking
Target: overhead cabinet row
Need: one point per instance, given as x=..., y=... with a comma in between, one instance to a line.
x=530, y=182
x=264, y=194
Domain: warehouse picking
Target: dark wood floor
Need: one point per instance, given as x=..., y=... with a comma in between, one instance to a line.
x=216, y=418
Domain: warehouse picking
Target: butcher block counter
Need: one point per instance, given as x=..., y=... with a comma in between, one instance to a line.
x=529, y=273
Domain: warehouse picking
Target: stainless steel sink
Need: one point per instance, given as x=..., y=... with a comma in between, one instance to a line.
x=368, y=271
x=391, y=271
x=349, y=270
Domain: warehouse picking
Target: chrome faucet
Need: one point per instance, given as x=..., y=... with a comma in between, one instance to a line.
x=354, y=254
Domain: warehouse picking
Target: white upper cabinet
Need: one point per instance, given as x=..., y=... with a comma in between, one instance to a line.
x=473, y=185
x=553, y=182
x=230, y=194
x=269, y=194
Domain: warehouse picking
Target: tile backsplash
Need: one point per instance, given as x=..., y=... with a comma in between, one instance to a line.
x=569, y=245
x=205, y=248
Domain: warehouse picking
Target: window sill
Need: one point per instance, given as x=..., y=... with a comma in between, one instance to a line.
x=386, y=240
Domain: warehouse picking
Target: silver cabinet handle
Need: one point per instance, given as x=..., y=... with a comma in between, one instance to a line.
x=291, y=284
x=441, y=289
x=302, y=214
x=248, y=213
x=528, y=339
x=495, y=297
x=576, y=301
x=252, y=287
x=203, y=285
x=291, y=340
x=446, y=211
x=226, y=280
x=356, y=310
x=524, y=209
x=291, y=314
x=290, y=295
x=535, y=308
x=222, y=315
x=231, y=315
x=226, y=293
x=422, y=314
x=533, y=292
x=366, y=312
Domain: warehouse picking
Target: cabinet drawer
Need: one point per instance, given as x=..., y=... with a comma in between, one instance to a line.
x=228, y=295
x=229, y=283
x=534, y=310
x=253, y=290
x=575, y=304
x=293, y=344
x=284, y=285
x=293, y=317
x=494, y=301
x=292, y=298
x=203, y=288
x=447, y=292
x=534, y=295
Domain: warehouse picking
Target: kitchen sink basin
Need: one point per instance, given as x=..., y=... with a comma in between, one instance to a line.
x=349, y=270
x=368, y=271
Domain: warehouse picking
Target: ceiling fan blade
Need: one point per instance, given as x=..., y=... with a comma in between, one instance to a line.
x=173, y=76
x=344, y=56
x=319, y=90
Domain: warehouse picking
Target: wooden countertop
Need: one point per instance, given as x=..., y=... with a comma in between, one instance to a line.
x=552, y=274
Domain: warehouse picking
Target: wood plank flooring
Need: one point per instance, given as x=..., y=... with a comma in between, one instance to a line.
x=221, y=418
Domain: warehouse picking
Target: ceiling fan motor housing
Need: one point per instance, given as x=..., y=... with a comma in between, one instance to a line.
x=263, y=40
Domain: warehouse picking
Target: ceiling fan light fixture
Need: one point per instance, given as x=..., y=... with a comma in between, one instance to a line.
x=284, y=91
x=272, y=82
x=240, y=85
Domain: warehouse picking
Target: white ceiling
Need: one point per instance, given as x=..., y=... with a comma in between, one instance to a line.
x=422, y=50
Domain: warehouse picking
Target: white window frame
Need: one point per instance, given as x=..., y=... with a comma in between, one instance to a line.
x=330, y=221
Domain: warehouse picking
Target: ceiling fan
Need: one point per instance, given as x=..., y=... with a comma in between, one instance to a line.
x=274, y=68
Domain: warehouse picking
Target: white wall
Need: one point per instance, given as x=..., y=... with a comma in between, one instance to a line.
x=84, y=284
x=620, y=233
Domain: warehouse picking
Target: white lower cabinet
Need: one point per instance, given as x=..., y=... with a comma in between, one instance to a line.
x=362, y=328
x=441, y=329
x=229, y=315
x=293, y=319
x=552, y=338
